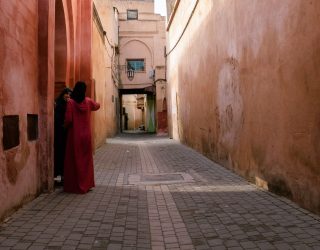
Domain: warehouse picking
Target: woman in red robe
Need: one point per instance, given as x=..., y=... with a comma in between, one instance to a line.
x=78, y=164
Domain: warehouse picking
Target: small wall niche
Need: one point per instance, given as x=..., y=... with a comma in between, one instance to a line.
x=11, y=135
x=32, y=127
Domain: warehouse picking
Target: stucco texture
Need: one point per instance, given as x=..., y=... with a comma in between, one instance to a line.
x=18, y=80
x=103, y=90
x=31, y=62
x=143, y=38
x=243, y=89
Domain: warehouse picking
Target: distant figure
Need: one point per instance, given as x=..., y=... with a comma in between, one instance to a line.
x=78, y=164
x=126, y=119
x=60, y=135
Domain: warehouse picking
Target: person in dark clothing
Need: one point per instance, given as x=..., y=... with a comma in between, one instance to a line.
x=60, y=134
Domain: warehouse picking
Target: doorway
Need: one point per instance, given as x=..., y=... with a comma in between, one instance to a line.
x=137, y=112
x=133, y=113
x=60, y=76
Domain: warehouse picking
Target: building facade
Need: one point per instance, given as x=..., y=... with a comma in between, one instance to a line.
x=45, y=46
x=141, y=46
x=243, y=89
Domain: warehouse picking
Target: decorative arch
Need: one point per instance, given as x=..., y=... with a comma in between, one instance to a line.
x=139, y=41
x=164, y=104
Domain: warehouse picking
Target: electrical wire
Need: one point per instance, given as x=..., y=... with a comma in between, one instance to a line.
x=184, y=29
x=105, y=34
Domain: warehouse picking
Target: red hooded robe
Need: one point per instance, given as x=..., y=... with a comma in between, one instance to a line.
x=78, y=164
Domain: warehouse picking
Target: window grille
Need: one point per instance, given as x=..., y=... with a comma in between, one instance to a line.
x=136, y=65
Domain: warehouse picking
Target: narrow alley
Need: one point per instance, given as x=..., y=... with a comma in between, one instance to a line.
x=154, y=193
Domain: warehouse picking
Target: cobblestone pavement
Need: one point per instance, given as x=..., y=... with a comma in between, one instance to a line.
x=153, y=193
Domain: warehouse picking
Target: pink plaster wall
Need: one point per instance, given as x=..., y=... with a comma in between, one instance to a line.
x=140, y=39
x=18, y=88
x=136, y=49
x=27, y=85
x=246, y=75
x=46, y=79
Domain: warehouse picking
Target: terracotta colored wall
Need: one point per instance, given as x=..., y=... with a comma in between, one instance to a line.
x=27, y=80
x=60, y=43
x=246, y=75
x=18, y=96
x=46, y=79
x=140, y=39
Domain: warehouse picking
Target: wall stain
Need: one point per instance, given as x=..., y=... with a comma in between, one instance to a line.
x=229, y=120
x=16, y=159
x=279, y=186
x=233, y=62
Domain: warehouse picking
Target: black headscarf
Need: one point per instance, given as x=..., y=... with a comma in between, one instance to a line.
x=79, y=92
x=60, y=99
x=60, y=109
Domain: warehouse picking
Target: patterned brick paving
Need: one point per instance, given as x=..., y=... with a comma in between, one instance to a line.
x=216, y=210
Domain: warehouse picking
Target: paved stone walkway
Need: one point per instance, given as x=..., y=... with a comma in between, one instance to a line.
x=153, y=193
